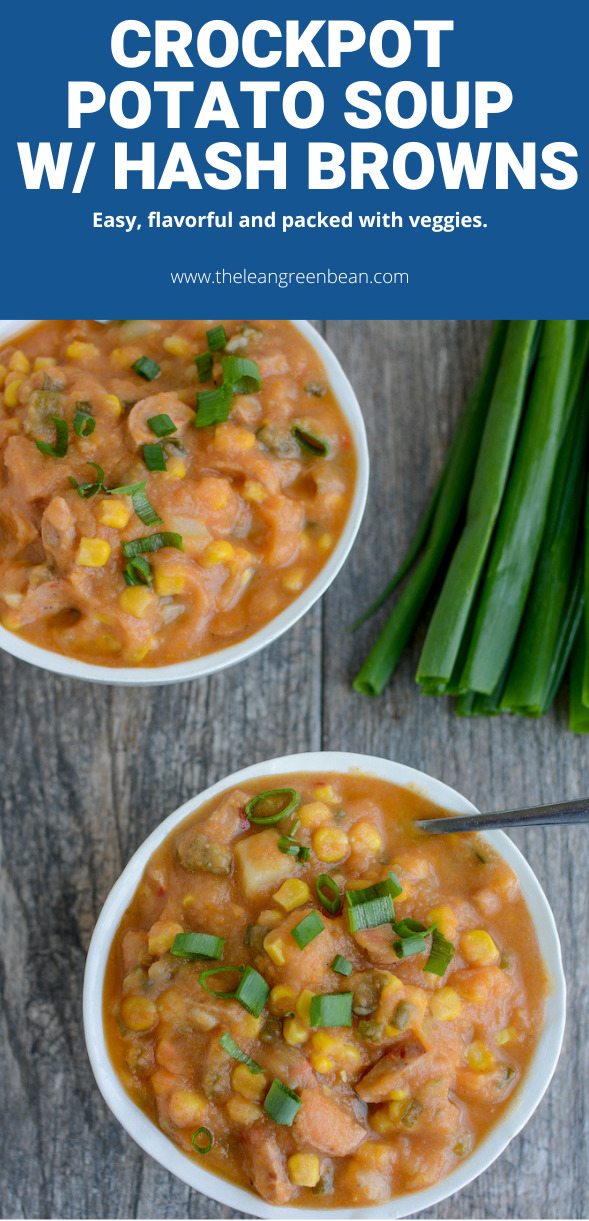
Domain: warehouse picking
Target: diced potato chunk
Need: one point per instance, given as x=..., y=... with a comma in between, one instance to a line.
x=260, y=864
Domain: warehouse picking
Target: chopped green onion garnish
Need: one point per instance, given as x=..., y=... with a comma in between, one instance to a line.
x=308, y=929
x=233, y=1050
x=242, y=375
x=440, y=955
x=341, y=965
x=154, y=458
x=373, y=905
x=202, y=1148
x=213, y=406
x=216, y=338
x=86, y=490
x=309, y=442
x=332, y=1009
x=84, y=422
x=412, y=934
x=331, y=902
x=152, y=542
x=224, y=996
x=204, y=366
x=161, y=425
x=293, y=847
x=144, y=508
x=281, y=1104
x=196, y=945
x=138, y=572
x=59, y=450
x=252, y=991
x=270, y=806
x=146, y=368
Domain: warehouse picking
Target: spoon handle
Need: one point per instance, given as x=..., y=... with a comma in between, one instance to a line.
x=565, y=812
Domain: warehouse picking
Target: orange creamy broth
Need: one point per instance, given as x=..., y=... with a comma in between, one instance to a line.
x=258, y=515
x=389, y=1105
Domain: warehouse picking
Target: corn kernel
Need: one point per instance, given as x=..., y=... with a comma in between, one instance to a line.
x=382, y=1122
x=114, y=404
x=81, y=351
x=108, y=644
x=270, y=918
x=243, y=1112
x=479, y=1057
x=176, y=345
x=445, y=919
x=330, y=844
x=250, y=1085
x=321, y=1063
x=294, y=1032
x=254, y=491
x=445, y=1005
x=303, y=1005
x=281, y=1000
x=168, y=582
x=293, y=893
x=274, y=946
x=139, y=1013
x=506, y=1036
x=303, y=1169
x=115, y=513
x=125, y=357
x=325, y=792
x=43, y=362
x=294, y=580
x=217, y=553
x=92, y=552
x=3, y=372
x=314, y=814
x=176, y=469
x=19, y=363
x=344, y=1054
x=230, y=437
x=136, y=600
x=185, y=1108
x=137, y=657
x=10, y=622
x=478, y=948
x=161, y=936
x=398, y=1095
x=11, y=392
x=325, y=543
x=365, y=835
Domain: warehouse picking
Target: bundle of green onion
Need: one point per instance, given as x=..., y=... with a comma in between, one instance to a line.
x=506, y=534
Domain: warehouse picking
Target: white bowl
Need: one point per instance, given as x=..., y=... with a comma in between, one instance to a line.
x=153, y=1141
x=151, y=676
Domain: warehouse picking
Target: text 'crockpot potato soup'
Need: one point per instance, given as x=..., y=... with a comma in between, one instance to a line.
x=166, y=488
x=317, y=998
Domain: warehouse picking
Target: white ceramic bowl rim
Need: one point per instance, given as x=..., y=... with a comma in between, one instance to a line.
x=198, y=667
x=154, y=1142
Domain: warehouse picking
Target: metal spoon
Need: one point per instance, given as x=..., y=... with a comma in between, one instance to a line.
x=556, y=815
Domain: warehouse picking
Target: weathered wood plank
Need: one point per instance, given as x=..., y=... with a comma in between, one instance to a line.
x=86, y=772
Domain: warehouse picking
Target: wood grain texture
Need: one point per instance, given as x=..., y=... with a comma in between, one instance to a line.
x=86, y=772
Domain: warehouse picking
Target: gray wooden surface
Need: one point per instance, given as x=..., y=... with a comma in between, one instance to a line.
x=87, y=771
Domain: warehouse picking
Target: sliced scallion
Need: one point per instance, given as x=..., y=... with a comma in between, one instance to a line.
x=331, y=902
x=154, y=457
x=141, y=504
x=252, y=991
x=84, y=422
x=152, y=542
x=147, y=368
x=138, y=572
x=341, y=966
x=270, y=806
x=440, y=955
x=372, y=906
x=216, y=338
x=293, y=847
x=196, y=945
x=162, y=425
x=331, y=1009
x=228, y=1045
x=204, y=366
x=281, y=1103
x=86, y=490
x=207, y=1146
x=242, y=375
x=59, y=450
x=213, y=406
x=308, y=929
x=309, y=441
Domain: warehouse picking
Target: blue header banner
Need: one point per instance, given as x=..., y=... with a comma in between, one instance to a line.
x=400, y=163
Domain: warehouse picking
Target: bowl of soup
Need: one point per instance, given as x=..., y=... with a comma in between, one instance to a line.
x=295, y=999
x=174, y=494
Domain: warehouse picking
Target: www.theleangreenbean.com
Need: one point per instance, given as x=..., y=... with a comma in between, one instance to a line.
x=284, y=279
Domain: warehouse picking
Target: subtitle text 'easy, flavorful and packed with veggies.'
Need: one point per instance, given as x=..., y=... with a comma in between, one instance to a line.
x=167, y=488
x=317, y=999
